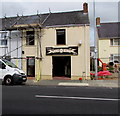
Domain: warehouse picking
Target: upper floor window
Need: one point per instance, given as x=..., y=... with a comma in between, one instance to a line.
x=115, y=42
x=3, y=42
x=61, y=39
x=3, y=34
x=30, y=38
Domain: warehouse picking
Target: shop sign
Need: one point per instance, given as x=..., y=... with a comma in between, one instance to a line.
x=62, y=51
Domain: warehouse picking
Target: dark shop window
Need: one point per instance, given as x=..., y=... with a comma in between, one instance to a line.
x=30, y=38
x=61, y=40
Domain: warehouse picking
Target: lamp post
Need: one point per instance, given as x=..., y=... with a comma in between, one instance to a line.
x=95, y=43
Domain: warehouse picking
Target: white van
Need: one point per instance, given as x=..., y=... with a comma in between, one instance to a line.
x=10, y=73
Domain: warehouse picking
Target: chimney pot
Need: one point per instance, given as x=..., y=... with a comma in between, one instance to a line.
x=98, y=21
x=85, y=7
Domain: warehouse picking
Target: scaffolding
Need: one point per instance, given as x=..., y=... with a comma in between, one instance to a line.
x=36, y=27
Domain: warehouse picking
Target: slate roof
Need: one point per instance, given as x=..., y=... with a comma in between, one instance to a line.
x=66, y=18
x=48, y=19
x=109, y=30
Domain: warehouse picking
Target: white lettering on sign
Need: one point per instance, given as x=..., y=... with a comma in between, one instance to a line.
x=62, y=50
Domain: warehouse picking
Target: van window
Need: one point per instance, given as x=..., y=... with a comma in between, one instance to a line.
x=10, y=63
x=2, y=65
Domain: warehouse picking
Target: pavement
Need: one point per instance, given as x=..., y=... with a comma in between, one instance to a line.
x=110, y=82
x=95, y=83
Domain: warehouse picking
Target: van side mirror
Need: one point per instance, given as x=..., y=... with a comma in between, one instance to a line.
x=3, y=66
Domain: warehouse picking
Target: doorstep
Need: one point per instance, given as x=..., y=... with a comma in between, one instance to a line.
x=31, y=78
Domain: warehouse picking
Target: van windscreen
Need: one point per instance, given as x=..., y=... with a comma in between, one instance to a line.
x=10, y=63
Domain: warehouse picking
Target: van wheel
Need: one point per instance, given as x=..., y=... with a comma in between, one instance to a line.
x=8, y=81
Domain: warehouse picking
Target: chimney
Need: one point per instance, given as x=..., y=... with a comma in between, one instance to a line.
x=98, y=21
x=85, y=8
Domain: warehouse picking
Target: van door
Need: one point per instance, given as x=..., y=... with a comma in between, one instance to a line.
x=2, y=70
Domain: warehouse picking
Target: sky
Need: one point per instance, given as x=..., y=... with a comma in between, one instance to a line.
x=107, y=10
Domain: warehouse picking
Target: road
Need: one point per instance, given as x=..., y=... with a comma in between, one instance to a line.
x=59, y=100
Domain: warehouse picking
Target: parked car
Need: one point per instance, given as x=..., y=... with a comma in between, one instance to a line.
x=10, y=73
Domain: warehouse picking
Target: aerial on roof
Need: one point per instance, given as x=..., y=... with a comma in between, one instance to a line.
x=109, y=30
x=49, y=19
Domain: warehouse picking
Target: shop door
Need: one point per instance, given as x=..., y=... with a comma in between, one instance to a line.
x=31, y=66
x=61, y=66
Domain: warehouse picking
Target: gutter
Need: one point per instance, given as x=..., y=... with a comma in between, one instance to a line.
x=69, y=25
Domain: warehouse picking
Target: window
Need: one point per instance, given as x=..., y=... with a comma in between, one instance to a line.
x=115, y=57
x=115, y=42
x=9, y=63
x=61, y=37
x=3, y=42
x=3, y=34
x=30, y=38
x=2, y=65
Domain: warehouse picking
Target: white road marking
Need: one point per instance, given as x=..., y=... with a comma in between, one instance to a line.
x=78, y=98
x=73, y=84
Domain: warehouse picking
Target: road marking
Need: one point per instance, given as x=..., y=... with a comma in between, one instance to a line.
x=73, y=84
x=78, y=98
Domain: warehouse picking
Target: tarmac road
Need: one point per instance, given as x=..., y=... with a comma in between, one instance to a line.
x=59, y=100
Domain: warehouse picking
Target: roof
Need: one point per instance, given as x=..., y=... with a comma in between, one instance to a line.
x=48, y=19
x=109, y=30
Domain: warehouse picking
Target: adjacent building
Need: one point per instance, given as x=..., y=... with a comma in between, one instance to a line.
x=109, y=42
x=10, y=46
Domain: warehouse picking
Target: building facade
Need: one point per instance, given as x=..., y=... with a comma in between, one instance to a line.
x=55, y=44
x=69, y=58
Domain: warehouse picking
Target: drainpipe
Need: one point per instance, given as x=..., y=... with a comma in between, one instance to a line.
x=85, y=50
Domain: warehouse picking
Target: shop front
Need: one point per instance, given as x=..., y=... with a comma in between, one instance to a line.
x=61, y=60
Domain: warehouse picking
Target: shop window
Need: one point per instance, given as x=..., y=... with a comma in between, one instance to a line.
x=30, y=38
x=61, y=40
x=115, y=42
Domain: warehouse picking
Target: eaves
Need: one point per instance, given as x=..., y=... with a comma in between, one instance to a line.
x=69, y=25
x=108, y=38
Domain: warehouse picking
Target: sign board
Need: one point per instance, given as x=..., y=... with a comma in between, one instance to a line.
x=62, y=51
